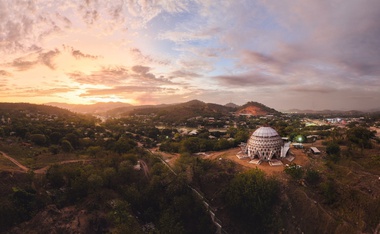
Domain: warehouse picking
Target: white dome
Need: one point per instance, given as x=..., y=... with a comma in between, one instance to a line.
x=264, y=143
x=265, y=132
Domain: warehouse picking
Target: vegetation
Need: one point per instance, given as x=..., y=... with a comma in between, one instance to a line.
x=89, y=176
x=295, y=171
x=251, y=197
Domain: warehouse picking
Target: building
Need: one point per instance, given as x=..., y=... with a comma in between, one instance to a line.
x=315, y=150
x=265, y=145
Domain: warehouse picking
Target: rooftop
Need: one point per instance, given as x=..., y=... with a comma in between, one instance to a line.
x=265, y=132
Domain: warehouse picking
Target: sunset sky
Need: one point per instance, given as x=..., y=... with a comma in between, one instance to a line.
x=307, y=54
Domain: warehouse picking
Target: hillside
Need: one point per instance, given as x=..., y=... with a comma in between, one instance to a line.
x=33, y=108
x=256, y=109
x=92, y=108
x=127, y=109
x=232, y=105
x=184, y=111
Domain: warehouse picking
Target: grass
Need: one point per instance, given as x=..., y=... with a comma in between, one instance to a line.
x=32, y=157
x=5, y=164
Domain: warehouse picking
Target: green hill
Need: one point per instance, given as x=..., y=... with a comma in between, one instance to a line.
x=184, y=111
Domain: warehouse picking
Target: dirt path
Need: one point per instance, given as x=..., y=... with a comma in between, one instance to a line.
x=22, y=167
x=41, y=170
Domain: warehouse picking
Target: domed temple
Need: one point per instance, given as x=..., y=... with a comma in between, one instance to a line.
x=265, y=144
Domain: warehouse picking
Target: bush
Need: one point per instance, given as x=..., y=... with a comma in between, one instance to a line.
x=295, y=171
x=312, y=176
x=38, y=139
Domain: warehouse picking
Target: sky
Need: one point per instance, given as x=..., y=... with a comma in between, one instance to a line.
x=305, y=54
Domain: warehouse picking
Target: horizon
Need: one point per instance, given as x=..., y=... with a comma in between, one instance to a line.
x=285, y=55
x=58, y=104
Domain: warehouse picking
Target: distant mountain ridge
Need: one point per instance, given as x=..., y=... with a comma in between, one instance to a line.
x=34, y=108
x=352, y=112
x=171, y=112
x=184, y=111
x=256, y=109
x=99, y=107
x=232, y=105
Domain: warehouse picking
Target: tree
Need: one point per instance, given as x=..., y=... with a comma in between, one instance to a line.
x=54, y=149
x=333, y=151
x=123, y=145
x=190, y=145
x=55, y=137
x=73, y=139
x=329, y=191
x=252, y=196
x=222, y=144
x=360, y=136
x=312, y=176
x=332, y=148
x=94, y=150
x=66, y=146
x=55, y=176
x=95, y=182
x=38, y=139
x=241, y=136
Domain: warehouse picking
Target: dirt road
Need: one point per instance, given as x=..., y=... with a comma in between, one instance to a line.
x=41, y=170
x=22, y=167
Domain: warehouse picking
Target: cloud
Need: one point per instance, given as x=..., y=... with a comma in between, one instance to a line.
x=244, y=80
x=24, y=24
x=145, y=75
x=184, y=74
x=140, y=69
x=37, y=92
x=29, y=62
x=127, y=90
x=332, y=38
x=313, y=89
x=112, y=75
x=52, y=91
x=118, y=75
x=142, y=58
x=23, y=65
x=48, y=57
x=5, y=73
x=78, y=55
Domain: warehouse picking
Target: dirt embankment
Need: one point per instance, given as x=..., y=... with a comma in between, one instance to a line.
x=252, y=110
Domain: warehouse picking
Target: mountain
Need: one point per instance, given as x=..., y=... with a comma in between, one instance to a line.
x=184, y=111
x=328, y=112
x=128, y=109
x=6, y=107
x=232, y=105
x=99, y=107
x=256, y=109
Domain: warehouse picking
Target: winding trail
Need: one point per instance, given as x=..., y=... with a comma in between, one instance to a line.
x=17, y=163
x=44, y=169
